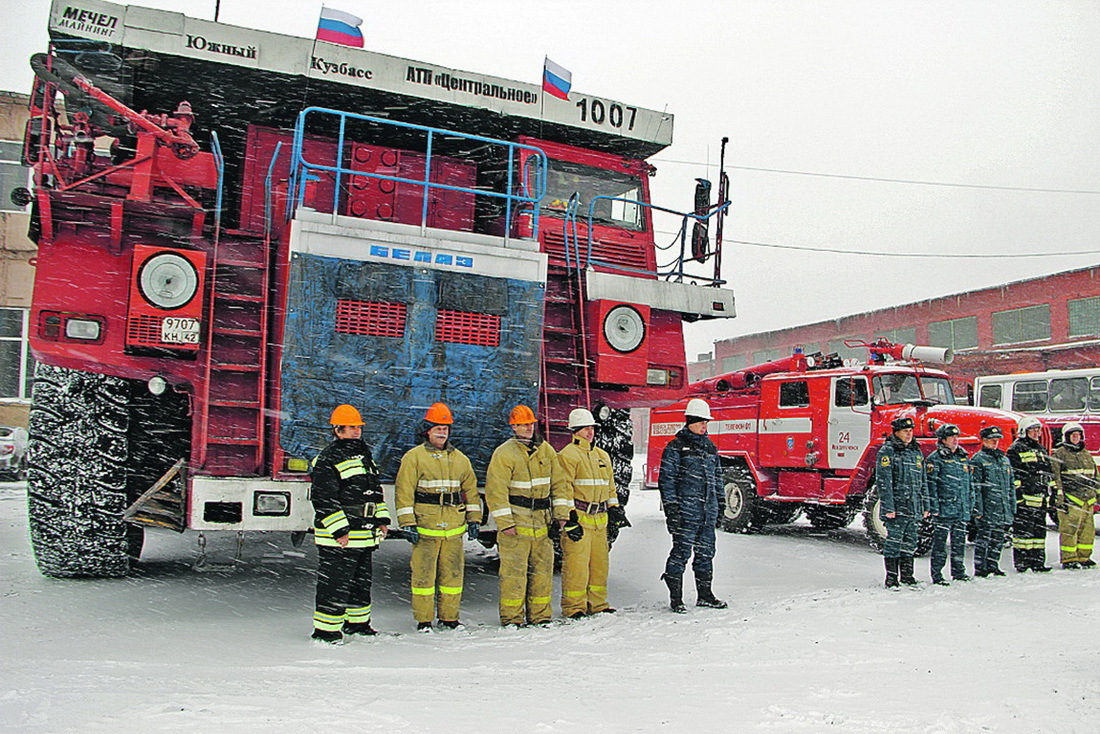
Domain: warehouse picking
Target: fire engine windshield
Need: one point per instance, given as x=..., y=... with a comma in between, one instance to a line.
x=566, y=178
x=905, y=387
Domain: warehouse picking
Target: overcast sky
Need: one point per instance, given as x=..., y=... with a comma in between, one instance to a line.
x=996, y=98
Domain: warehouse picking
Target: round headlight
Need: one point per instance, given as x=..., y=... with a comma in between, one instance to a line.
x=624, y=328
x=168, y=281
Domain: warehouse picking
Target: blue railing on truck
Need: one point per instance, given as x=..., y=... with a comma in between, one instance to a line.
x=522, y=189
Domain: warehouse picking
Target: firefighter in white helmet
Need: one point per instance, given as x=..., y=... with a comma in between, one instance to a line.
x=589, y=488
x=1033, y=478
x=1078, y=485
x=690, y=483
x=522, y=498
x=437, y=505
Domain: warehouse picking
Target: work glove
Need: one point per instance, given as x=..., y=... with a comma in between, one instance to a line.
x=412, y=534
x=472, y=529
x=616, y=515
x=573, y=529
x=672, y=517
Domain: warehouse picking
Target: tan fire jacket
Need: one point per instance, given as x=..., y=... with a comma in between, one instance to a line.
x=588, y=479
x=518, y=472
x=428, y=470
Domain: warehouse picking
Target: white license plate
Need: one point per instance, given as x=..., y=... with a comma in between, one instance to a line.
x=179, y=331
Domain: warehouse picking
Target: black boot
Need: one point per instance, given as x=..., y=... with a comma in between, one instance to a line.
x=675, y=586
x=705, y=597
x=891, y=572
x=905, y=571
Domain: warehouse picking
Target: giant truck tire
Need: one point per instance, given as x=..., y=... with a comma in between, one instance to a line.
x=876, y=528
x=76, y=483
x=616, y=437
x=739, y=492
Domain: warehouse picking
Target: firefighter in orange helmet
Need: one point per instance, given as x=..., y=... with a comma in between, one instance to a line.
x=437, y=505
x=522, y=499
x=350, y=517
x=589, y=489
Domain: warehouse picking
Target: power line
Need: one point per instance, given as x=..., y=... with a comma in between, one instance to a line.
x=886, y=180
x=953, y=255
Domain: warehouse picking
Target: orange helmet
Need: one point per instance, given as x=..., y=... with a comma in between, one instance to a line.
x=521, y=415
x=439, y=414
x=345, y=415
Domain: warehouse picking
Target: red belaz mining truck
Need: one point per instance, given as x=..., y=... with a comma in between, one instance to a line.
x=801, y=434
x=299, y=225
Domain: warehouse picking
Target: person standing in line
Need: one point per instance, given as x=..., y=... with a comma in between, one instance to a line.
x=994, y=502
x=350, y=517
x=589, y=489
x=690, y=483
x=950, y=502
x=1076, y=478
x=1033, y=478
x=522, y=496
x=899, y=476
x=437, y=506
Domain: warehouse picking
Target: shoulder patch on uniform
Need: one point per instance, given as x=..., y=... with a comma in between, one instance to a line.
x=884, y=461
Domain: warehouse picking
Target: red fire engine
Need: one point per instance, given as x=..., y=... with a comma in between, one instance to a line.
x=318, y=225
x=802, y=433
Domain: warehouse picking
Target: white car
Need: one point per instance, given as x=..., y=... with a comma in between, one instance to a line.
x=13, y=453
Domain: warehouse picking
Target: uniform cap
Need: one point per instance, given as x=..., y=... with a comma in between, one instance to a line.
x=439, y=414
x=900, y=424
x=946, y=430
x=580, y=418
x=521, y=415
x=991, y=432
x=697, y=410
x=345, y=415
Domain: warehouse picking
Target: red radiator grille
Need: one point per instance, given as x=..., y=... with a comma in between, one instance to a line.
x=142, y=330
x=370, y=318
x=464, y=327
x=623, y=254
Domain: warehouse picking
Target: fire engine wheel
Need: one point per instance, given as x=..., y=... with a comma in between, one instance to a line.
x=739, y=491
x=76, y=485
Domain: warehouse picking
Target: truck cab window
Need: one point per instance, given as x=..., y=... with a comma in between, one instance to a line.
x=850, y=392
x=794, y=394
x=937, y=389
x=567, y=178
x=896, y=388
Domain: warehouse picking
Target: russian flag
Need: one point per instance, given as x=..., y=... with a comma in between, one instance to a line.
x=556, y=80
x=336, y=26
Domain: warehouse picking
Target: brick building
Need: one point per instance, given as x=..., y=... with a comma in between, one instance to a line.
x=1044, y=323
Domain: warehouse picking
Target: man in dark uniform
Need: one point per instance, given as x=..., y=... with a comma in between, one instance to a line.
x=994, y=502
x=899, y=476
x=950, y=501
x=1033, y=478
x=690, y=482
x=350, y=517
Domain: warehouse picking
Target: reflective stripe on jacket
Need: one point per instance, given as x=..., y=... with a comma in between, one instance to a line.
x=1075, y=475
x=425, y=468
x=517, y=470
x=1033, y=476
x=586, y=475
x=346, y=495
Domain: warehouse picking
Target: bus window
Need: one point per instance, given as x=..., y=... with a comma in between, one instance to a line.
x=990, y=396
x=1069, y=395
x=1030, y=396
x=1094, y=394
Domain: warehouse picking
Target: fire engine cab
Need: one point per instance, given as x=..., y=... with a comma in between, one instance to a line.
x=802, y=433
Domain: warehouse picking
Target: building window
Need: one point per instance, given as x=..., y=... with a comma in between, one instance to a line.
x=955, y=334
x=13, y=175
x=1028, y=324
x=734, y=363
x=899, y=336
x=765, y=355
x=16, y=363
x=794, y=394
x=858, y=354
x=1084, y=316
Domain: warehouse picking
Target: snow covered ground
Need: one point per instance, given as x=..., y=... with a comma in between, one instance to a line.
x=811, y=642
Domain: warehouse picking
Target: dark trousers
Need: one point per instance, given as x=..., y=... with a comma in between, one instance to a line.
x=343, y=586
x=1029, y=537
x=692, y=537
x=988, y=545
x=901, y=536
x=945, y=528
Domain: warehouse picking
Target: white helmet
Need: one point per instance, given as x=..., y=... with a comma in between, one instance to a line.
x=580, y=418
x=1027, y=423
x=698, y=408
x=1071, y=427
